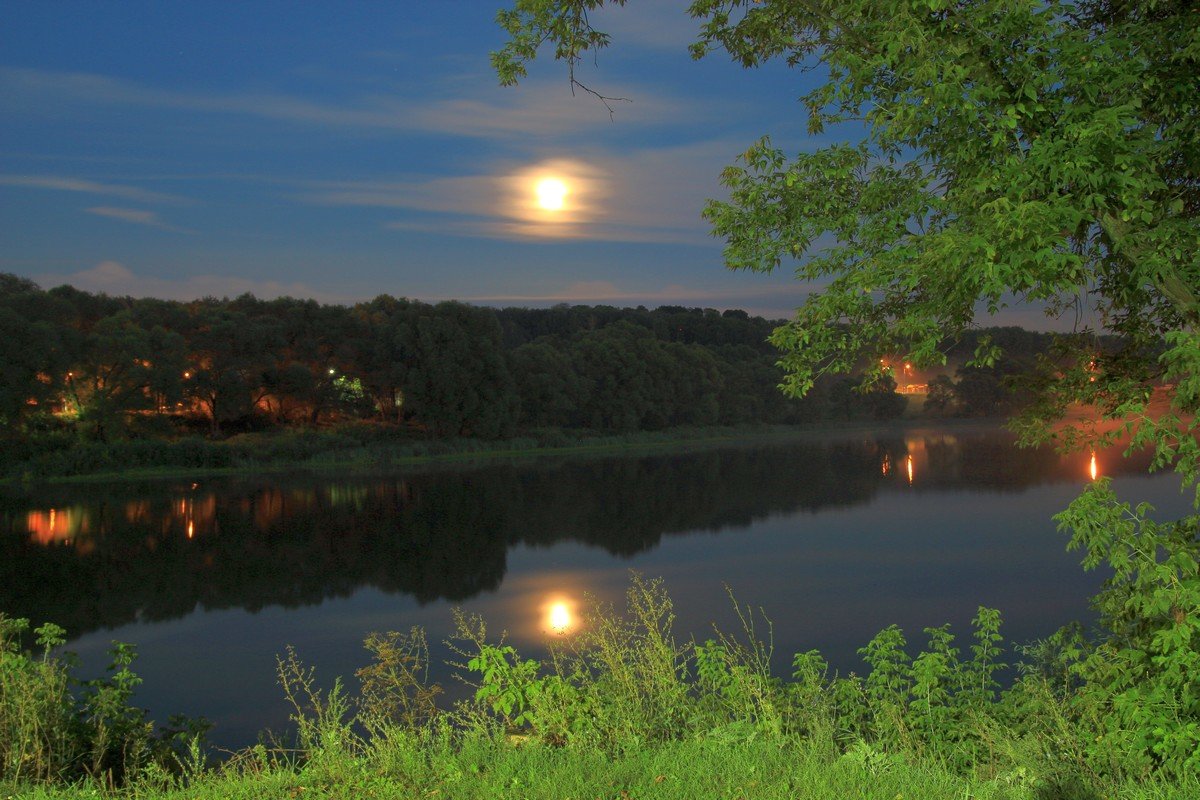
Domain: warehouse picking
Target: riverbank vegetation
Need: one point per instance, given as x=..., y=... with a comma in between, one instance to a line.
x=370, y=448
x=84, y=372
x=998, y=153
x=620, y=708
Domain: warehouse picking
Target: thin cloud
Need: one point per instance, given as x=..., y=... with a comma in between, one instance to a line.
x=114, y=278
x=84, y=186
x=591, y=292
x=536, y=109
x=650, y=24
x=652, y=195
x=548, y=109
x=135, y=216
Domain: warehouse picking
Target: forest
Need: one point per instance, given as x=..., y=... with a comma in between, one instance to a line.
x=102, y=368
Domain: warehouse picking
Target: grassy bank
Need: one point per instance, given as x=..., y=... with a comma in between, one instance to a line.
x=368, y=447
x=619, y=709
x=484, y=769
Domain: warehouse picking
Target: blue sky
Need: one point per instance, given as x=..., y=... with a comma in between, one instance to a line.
x=343, y=150
x=340, y=150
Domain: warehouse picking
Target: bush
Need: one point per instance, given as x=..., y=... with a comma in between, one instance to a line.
x=47, y=734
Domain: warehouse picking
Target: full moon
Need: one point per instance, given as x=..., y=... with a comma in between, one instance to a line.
x=551, y=193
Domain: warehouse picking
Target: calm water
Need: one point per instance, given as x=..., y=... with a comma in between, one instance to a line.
x=835, y=539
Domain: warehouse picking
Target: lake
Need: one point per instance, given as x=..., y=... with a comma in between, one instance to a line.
x=835, y=537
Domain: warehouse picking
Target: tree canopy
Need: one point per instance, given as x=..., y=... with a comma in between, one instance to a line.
x=1009, y=151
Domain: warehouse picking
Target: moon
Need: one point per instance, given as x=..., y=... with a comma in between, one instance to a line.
x=551, y=193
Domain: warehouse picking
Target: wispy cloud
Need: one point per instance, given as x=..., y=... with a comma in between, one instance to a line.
x=84, y=186
x=537, y=109
x=114, y=278
x=773, y=302
x=135, y=216
x=652, y=24
x=645, y=195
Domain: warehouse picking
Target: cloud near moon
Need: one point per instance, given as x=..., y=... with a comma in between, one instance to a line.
x=557, y=198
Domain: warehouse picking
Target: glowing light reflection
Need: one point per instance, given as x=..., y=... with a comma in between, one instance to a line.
x=908, y=465
x=1093, y=469
x=51, y=526
x=559, y=615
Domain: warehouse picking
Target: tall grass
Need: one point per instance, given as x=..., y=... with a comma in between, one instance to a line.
x=621, y=709
x=37, y=741
x=55, y=729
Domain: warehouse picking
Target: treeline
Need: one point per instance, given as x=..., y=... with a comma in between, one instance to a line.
x=111, y=365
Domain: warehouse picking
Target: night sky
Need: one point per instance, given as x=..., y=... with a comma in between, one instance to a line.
x=344, y=150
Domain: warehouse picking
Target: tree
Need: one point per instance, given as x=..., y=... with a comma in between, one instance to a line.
x=30, y=356
x=231, y=355
x=550, y=389
x=378, y=350
x=1012, y=151
x=459, y=383
x=1041, y=151
x=940, y=400
x=122, y=367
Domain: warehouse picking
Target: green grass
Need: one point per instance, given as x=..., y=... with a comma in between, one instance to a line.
x=618, y=710
x=699, y=769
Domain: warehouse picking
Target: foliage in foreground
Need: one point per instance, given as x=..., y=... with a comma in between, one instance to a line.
x=54, y=729
x=1027, y=151
x=621, y=707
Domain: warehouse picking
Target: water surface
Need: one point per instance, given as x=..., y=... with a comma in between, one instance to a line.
x=835, y=539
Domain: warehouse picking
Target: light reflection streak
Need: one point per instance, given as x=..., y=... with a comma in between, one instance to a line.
x=52, y=525
x=196, y=514
x=908, y=465
x=1093, y=469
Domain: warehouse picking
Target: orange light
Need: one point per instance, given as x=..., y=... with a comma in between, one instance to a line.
x=1093, y=469
x=191, y=529
x=560, y=615
x=48, y=527
x=908, y=465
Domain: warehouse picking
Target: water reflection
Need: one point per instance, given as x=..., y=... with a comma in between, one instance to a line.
x=55, y=525
x=1093, y=470
x=560, y=615
x=101, y=556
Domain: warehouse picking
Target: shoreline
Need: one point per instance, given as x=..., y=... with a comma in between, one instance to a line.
x=382, y=455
